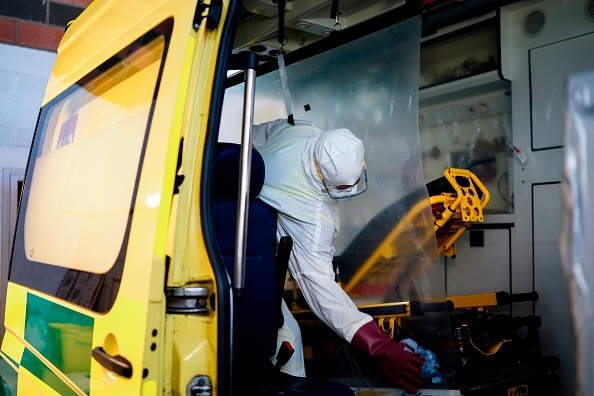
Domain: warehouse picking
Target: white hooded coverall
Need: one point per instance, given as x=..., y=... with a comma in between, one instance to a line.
x=293, y=187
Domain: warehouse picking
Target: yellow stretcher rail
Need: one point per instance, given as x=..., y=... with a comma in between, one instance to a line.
x=387, y=312
x=387, y=244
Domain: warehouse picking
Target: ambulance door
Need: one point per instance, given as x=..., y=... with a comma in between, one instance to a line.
x=85, y=310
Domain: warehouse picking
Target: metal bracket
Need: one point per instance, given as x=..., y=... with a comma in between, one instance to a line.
x=213, y=17
x=187, y=300
x=179, y=179
x=201, y=385
x=243, y=61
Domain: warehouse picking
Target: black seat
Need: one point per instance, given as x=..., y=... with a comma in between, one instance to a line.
x=256, y=314
x=260, y=275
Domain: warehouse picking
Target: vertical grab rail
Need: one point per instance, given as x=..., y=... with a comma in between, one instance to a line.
x=248, y=62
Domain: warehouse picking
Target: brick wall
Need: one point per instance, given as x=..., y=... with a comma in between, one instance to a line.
x=37, y=23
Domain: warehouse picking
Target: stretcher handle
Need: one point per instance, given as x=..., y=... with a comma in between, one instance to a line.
x=505, y=298
x=418, y=308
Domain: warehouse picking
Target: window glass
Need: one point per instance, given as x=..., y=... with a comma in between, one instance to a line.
x=82, y=177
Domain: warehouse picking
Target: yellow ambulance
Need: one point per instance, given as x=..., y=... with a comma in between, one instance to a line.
x=134, y=267
x=86, y=304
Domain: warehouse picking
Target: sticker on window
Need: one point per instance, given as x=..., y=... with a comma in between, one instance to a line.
x=67, y=132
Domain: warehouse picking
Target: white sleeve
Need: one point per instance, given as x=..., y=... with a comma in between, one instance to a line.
x=261, y=132
x=311, y=266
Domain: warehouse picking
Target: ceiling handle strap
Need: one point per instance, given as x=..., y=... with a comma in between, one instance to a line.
x=281, y=21
x=334, y=13
x=285, y=87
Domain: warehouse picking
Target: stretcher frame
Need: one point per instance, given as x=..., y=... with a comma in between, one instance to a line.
x=454, y=210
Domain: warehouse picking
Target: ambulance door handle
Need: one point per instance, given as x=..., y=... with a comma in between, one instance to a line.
x=118, y=364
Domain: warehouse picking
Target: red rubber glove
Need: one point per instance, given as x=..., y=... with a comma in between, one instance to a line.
x=396, y=359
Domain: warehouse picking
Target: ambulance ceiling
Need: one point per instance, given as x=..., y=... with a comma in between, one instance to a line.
x=309, y=21
x=306, y=21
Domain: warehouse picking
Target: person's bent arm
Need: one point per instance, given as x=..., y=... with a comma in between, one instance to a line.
x=312, y=269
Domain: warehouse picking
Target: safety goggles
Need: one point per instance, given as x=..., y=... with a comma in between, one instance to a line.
x=345, y=191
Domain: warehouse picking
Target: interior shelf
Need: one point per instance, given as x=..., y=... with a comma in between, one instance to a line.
x=460, y=89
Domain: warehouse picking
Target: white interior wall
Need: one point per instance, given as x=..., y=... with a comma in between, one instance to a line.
x=537, y=101
x=23, y=76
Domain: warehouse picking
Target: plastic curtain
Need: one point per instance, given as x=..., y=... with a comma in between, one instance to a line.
x=386, y=250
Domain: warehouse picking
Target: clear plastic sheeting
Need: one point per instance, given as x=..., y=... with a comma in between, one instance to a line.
x=385, y=251
x=577, y=233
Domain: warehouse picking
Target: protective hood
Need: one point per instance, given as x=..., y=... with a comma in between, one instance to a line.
x=339, y=155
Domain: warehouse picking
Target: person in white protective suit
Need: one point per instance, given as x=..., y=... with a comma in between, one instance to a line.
x=307, y=172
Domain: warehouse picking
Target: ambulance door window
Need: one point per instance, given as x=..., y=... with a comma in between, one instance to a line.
x=78, y=201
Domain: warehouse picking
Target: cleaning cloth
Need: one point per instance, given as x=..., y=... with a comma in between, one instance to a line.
x=430, y=368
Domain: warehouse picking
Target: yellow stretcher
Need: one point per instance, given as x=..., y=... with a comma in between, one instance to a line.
x=453, y=213
x=485, y=351
x=457, y=200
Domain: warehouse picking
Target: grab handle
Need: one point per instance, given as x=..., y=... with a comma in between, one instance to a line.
x=251, y=61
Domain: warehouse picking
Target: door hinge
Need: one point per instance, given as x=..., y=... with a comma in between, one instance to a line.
x=179, y=179
x=187, y=300
x=201, y=385
x=212, y=16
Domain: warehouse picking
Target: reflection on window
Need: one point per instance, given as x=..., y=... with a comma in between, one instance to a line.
x=84, y=177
